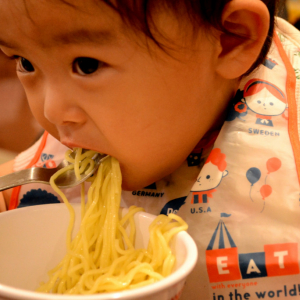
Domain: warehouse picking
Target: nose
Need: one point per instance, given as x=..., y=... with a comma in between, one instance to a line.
x=61, y=106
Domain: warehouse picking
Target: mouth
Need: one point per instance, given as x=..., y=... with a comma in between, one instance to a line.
x=70, y=144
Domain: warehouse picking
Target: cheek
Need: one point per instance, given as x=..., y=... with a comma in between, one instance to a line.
x=37, y=108
x=145, y=116
x=34, y=98
x=36, y=105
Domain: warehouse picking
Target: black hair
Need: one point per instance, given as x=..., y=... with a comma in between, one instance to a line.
x=138, y=14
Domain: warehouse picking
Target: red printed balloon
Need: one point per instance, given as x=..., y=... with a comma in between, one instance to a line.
x=273, y=164
x=265, y=190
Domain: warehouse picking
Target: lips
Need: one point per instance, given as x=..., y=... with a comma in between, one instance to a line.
x=71, y=144
x=79, y=138
x=68, y=138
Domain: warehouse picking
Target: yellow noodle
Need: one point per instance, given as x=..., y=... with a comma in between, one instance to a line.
x=102, y=257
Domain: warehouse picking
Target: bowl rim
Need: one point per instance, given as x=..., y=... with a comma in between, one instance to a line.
x=171, y=280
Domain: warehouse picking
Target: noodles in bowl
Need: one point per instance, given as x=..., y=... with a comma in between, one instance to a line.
x=102, y=257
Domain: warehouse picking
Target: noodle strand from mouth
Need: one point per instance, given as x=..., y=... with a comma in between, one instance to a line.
x=102, y=257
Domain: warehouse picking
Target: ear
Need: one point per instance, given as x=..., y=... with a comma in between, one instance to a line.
x=247, y=26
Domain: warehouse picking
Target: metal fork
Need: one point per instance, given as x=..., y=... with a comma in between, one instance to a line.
x=42, y=175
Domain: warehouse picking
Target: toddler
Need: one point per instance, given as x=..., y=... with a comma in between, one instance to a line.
x=159, y=85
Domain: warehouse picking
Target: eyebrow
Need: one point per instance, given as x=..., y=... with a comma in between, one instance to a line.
x=81, y=36
x=8, y=44
x=76, y=36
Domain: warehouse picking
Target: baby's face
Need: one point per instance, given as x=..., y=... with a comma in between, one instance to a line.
x=92, y=83
x=264, y=103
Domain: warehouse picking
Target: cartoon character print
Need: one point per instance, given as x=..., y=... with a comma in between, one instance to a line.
x=195, y=158
x=46, y=161
x=210, y=177
x=260, y=97
x=237, y=108
x=265, y=99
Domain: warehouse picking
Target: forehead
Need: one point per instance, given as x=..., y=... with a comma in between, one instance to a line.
x=51, y=22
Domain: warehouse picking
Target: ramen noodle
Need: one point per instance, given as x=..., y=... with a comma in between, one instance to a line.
x=102, y=257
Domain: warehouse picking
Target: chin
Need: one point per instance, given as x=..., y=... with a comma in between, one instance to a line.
x=135, y=178
x=130, y=184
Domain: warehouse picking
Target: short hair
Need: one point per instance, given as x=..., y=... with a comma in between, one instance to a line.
x=138, y=14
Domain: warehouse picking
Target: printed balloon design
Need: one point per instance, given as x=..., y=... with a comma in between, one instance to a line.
x=265, y=191
x=253, y=175
x=273, y=164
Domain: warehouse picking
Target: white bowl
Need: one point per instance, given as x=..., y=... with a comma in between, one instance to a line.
x=33, y=241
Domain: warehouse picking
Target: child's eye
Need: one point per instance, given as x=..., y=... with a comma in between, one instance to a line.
x=86, y=65
x=24, y=65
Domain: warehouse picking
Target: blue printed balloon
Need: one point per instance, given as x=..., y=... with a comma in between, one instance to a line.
x=253, y=175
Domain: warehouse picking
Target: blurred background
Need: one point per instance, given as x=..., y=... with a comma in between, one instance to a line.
x=293, y=12
x=19, y=130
